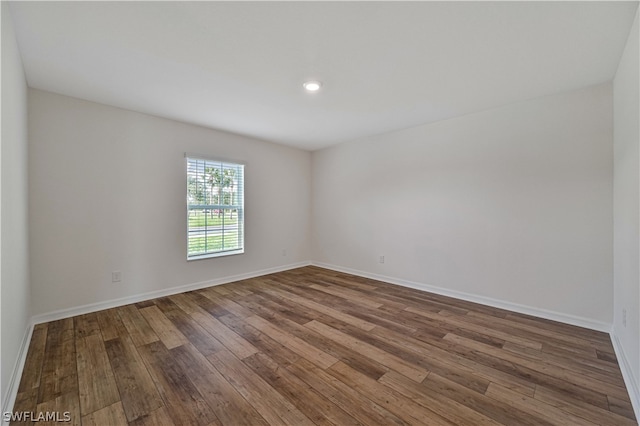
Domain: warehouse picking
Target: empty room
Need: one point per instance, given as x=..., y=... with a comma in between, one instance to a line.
x=320, y=213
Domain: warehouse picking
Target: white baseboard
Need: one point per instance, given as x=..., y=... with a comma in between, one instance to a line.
x=93, y=307
x=12, y=390
x=627, y=374
x=496, y=303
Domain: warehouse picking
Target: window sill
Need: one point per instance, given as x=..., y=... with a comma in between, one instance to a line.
x=218, y=254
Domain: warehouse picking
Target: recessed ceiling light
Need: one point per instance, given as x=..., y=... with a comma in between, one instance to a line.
x=312, y=86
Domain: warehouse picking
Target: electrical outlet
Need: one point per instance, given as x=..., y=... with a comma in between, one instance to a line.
x=116, y=276
x=624, y=318
x=284, y=252
x=381, y=259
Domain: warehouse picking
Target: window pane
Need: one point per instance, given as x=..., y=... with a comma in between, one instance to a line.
x=214, y=207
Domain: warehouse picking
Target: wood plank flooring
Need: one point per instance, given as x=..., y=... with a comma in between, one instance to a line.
x=317, y=347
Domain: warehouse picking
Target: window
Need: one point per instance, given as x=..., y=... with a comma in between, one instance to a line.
x=215, y=208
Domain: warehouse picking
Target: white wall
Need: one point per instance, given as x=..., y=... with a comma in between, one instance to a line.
x=14, y=266
x=512, y=203
x=626, y=192
x=108, y=189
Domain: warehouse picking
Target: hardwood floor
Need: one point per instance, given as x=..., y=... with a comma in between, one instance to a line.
x=313, y=346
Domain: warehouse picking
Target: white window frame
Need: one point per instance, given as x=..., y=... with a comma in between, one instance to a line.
x=239, y=206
